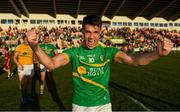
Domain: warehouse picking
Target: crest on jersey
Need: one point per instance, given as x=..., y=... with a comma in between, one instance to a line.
x=102, y=58
x=81, y=57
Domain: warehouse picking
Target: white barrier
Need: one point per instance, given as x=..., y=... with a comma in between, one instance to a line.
x=173, y=49
x=176, y=49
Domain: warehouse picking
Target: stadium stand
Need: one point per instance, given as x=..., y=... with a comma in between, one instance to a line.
x=125, y=38
x=127, y=13
x=63, y=19
x=131, y=25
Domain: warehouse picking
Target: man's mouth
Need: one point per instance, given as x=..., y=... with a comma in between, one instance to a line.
x=91, y=42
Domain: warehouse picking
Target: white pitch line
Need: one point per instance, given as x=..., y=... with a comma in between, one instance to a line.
x=139, y=103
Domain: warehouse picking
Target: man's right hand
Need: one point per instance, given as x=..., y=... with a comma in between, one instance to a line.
x=20, y=67
x=33, y=39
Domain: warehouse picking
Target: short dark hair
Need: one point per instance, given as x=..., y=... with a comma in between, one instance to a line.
x=7, y=48
x=92, y=20
x=46, y=34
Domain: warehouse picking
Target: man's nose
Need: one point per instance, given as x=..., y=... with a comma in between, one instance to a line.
x=91, y=35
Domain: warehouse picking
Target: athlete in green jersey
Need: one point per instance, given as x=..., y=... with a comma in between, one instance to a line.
x=51, y=51
x=91, y=65
x=91, y=71
x=47, y=47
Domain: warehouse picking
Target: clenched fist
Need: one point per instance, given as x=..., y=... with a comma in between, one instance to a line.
x=32, y=38
x=164, y=47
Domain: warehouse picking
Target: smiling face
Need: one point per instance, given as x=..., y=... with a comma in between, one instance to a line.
x=91, y=35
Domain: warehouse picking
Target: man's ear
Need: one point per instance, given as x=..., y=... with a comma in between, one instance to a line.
x=82, y=30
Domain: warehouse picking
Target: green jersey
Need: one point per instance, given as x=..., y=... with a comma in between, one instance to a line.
x=48, y=49
x=91, y=71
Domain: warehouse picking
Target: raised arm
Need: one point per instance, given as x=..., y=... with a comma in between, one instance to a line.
x=164, y=48
x=50, y=63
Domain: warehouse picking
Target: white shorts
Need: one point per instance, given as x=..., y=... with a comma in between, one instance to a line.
x=101, y=108
x=43, y=68
x=28, y=70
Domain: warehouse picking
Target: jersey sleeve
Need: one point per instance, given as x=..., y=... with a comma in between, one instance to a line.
x=70, y=53
x=18, y=48
x=112, y=51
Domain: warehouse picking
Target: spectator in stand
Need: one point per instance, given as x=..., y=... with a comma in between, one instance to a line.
x=12, y=36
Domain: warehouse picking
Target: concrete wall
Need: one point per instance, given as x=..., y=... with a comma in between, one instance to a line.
x=69, y=19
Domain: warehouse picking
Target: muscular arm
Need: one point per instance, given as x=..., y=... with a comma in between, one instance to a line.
x=51, y=63
x=140, y=59
x=164, y=48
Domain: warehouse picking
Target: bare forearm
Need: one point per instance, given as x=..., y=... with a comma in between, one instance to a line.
x=163, y=49
x=145, y=58
x=16, y=62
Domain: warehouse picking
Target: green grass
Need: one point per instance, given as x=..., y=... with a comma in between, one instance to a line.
x=156, y=86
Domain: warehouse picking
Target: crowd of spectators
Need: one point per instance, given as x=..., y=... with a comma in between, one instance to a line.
x=61, y=37
x=142, y=40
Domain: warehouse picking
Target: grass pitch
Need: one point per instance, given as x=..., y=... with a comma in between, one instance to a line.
x=152, y=87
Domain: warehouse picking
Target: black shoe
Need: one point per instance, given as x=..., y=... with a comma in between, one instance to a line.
x=24, y=100
x=30, y=99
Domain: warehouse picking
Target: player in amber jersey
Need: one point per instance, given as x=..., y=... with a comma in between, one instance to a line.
x=23, y=57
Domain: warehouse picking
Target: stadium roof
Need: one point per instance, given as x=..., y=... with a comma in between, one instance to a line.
x=167, y=9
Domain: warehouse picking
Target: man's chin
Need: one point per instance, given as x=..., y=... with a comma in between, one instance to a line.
x=91, y=47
